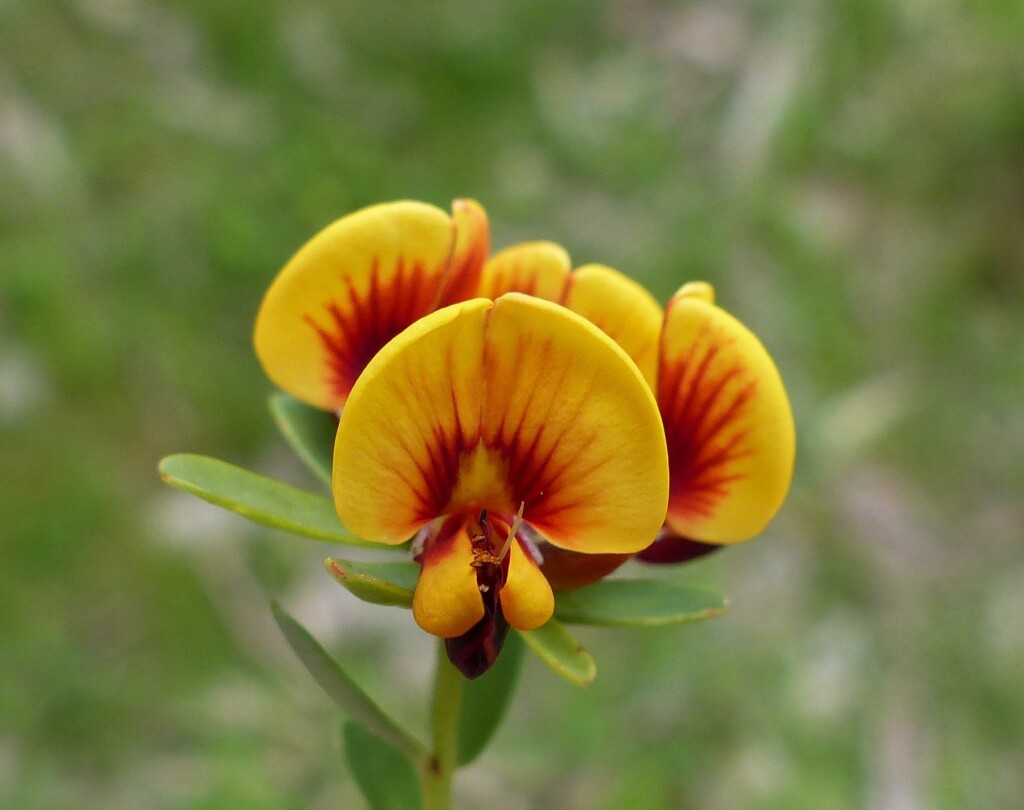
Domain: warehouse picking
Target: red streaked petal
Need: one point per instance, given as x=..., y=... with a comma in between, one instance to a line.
x=472, y=244
x=727, y=422
x=534, y=268
x=354, y=286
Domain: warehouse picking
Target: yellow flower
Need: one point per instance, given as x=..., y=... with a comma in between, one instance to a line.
x=357, y=284
x=485, y=429
x=727, y=419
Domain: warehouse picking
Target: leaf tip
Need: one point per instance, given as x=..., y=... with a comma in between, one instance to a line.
x=589, y=675
x=279, y=613
x=334, y=568
x=165, y=467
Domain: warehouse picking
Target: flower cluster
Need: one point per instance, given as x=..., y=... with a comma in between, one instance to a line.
x=528, y=426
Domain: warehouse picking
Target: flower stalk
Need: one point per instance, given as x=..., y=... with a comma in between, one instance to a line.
x=437, y=770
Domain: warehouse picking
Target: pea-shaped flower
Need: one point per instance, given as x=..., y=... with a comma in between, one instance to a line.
x=523, y=428
x=727, y=419
x=484, y=429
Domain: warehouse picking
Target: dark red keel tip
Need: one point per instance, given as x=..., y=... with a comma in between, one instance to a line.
x=674, y=549
x=474, y=652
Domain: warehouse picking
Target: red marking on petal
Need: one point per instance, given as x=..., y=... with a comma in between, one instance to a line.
x=366, y=320
x=517, y=279
x=521, y=276
x=427, y=486
x=703, y=399
x=526, y=467
x=463, y=278
x=535, y=467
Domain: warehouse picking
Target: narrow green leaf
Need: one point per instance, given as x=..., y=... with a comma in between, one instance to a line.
x=380, y=583
x=343, y=690
x=560, y=650
x=643, y=602
x=308, y=430
x=261, y=499
x=485, y=700
x=388, y=780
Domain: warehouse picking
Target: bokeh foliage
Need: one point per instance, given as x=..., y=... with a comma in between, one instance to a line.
x=850, y=176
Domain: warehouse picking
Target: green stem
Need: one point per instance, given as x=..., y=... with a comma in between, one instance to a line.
x=437, y=770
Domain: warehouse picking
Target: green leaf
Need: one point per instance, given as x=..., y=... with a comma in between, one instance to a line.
x=486, y=699
x=643, y=602
x=380, y=583
x=343, y=690
x=308, y=430
x=560, y=650
x=262, y=500
x=388, y=780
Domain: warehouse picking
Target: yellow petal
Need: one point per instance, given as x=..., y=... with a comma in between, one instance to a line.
x=349, y=290
x=697, y=289
x=623, y=309
x=534, y=268
x=447, y=601
x=472, y=244
x=490, y=405
x=526, y=600
x=727, y=420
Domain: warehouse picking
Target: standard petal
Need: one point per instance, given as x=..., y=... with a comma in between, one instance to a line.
x=535, y=268
x=447, y=601
x=487, y=405
x=727, y=421
x=526, y=599
x=623, y=309
x=349, y=290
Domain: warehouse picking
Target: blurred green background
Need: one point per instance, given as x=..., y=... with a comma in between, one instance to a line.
x=850, y=176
